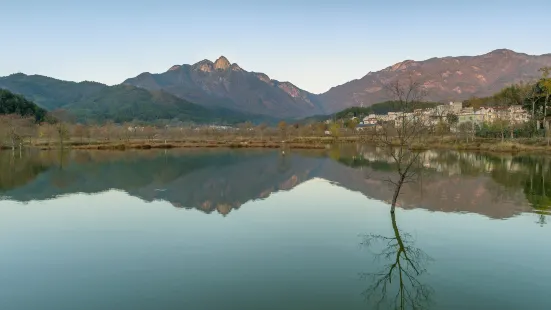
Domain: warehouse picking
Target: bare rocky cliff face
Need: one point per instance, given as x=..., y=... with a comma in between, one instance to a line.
x=445, y=79
x=223, y=84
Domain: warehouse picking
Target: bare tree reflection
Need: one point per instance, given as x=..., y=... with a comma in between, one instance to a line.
x=397, y=285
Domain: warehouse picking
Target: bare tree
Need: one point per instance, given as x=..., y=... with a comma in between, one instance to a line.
x=465, y=129
x=3, y=131
x=128, y=130
x=15, y=128
x=149, y=132
x=261, y=128
x=79, y=131
x=62, y=133
x=398, y=140
x=108, y=129
x=282, y=126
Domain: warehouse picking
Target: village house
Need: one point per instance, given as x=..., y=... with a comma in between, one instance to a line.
x=518, y=115
x=370, y=120
x=432, y=116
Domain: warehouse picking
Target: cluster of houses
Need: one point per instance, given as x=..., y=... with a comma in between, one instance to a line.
x=432, y=116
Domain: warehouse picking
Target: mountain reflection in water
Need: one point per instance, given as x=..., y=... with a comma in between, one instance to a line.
x=222, y=180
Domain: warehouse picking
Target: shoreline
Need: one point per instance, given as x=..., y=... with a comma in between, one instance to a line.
x=535, y=146
x=141, y=145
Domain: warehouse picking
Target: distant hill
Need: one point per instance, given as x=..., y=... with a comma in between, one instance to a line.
x=11, y=103
x=47, y=92
x=90, y=101
x=222, y=84
x=445, y=79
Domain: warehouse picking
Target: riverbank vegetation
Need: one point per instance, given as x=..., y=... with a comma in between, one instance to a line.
x=17, y=131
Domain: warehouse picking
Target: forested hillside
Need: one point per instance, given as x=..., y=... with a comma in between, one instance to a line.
x=94, y=102
x=11, y=103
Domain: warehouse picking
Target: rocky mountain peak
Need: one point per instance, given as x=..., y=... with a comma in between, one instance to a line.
x=222, y=84
x=236, y=67
x=263, y=77
x=401, y=66
x=222, y=63
x=175, y=67
x=204, y=65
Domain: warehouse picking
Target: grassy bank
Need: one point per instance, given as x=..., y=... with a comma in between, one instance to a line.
x=316, y=143
x=537, y=145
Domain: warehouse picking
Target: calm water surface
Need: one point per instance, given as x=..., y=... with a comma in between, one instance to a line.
x=224, y=229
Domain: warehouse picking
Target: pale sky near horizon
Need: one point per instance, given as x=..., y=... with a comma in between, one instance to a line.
x=313, y=44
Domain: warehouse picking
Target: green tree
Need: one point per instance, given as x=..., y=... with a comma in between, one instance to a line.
x=11, y=103
x=62, y=133
x=545, y=85
x=352, y=123
x=335, y=129
x=452, y=119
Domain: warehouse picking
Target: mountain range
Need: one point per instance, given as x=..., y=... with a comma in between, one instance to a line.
x=445, y=79
x=223, y=91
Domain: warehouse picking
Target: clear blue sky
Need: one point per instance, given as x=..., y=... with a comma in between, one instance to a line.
x=314, y=44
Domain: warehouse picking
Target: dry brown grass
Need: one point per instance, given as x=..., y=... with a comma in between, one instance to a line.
x=195, y=144
x=427, y=142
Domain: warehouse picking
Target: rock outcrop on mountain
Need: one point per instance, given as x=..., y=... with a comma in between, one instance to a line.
x=445, y=79
x=223, y=84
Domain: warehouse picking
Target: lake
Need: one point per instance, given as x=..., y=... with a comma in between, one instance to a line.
x=256, y=229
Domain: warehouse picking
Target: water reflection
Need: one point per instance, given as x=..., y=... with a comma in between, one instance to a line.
x=398, y=285
x=466, y=182
x=97, y=248
x=223, y=180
